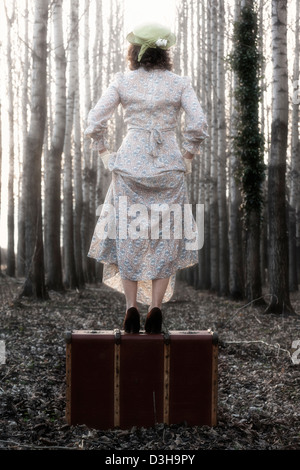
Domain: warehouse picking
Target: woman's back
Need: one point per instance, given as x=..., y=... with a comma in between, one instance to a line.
x=152, y=101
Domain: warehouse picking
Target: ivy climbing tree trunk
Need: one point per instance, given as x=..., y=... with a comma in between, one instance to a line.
x=278, y=238
x=236, y=264
x=249, y=141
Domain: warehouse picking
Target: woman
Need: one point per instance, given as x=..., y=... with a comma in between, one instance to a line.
x=140, y=254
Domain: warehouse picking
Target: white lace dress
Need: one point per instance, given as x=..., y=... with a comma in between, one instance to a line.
x=146, y=229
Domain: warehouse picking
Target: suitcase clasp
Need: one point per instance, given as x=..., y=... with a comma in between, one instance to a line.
x=68, y=337
x=117, y=334
x=167, y=337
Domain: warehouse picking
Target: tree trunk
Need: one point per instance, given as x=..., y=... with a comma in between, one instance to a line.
x=10, y=270
x=213, y=206
x=278, y=240
x=236, y=273
x=97, y=194
x=77, y=150
x=70, y=275
x=294, y=212
x=208, y=151
x=87, y=263
x=21, y=209
x=118, y=65
x=263, y=129
x=35, y=283
x=77, y=189
x=53, y=163
x=222, y=198
x=253, y=290
x=0, y=178
x=236, y=258
x=249, y=142
x=293, y=278
x=201, y=77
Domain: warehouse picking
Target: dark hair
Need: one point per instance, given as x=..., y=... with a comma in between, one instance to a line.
x=152, y=58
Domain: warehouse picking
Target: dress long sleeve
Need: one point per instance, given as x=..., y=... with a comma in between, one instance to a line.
x=195, y=131
x=101, y=113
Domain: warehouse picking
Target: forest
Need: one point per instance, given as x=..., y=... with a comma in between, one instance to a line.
x=57, y=58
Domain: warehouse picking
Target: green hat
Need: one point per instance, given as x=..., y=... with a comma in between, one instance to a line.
x=151, y=35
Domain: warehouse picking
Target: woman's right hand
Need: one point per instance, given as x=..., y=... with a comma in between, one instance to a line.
x=188, y=155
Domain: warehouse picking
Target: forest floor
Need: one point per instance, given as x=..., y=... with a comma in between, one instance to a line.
x=258, y=377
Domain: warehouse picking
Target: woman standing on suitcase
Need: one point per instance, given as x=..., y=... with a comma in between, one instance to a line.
x=143, y=234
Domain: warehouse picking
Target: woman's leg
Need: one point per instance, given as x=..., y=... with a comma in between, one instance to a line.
x=130, y=290
x=159, y=287
x=132, y=317
x=154, y=317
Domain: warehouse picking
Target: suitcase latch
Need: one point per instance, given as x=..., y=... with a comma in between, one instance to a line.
x=117, y=334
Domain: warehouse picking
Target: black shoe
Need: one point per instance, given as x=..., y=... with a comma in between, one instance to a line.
x=153, y=321
x=132, y=321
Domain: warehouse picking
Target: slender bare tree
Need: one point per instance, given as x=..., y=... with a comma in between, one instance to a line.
x=0, y=174
x=21, y=214
x=96, y=176
x=278, y=239
x=77, y=157
x=87, y=154
x=35, y=281
x=69, y=272
x=118, y=65
x=222, y=158
x=53, y=162
x=262, y=27
x=201, y=77
x=11, y=265
x=97, y=74
x=208, y=86
x=213, y=207
x=294, y=212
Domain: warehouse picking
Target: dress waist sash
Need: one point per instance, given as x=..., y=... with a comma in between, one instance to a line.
x=155, y=138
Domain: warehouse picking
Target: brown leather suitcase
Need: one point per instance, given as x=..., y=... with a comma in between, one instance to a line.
x=119, y=380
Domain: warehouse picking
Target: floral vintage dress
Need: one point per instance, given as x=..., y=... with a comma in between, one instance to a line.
x=132, y=238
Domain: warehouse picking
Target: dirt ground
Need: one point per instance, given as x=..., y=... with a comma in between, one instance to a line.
x=258, y=374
